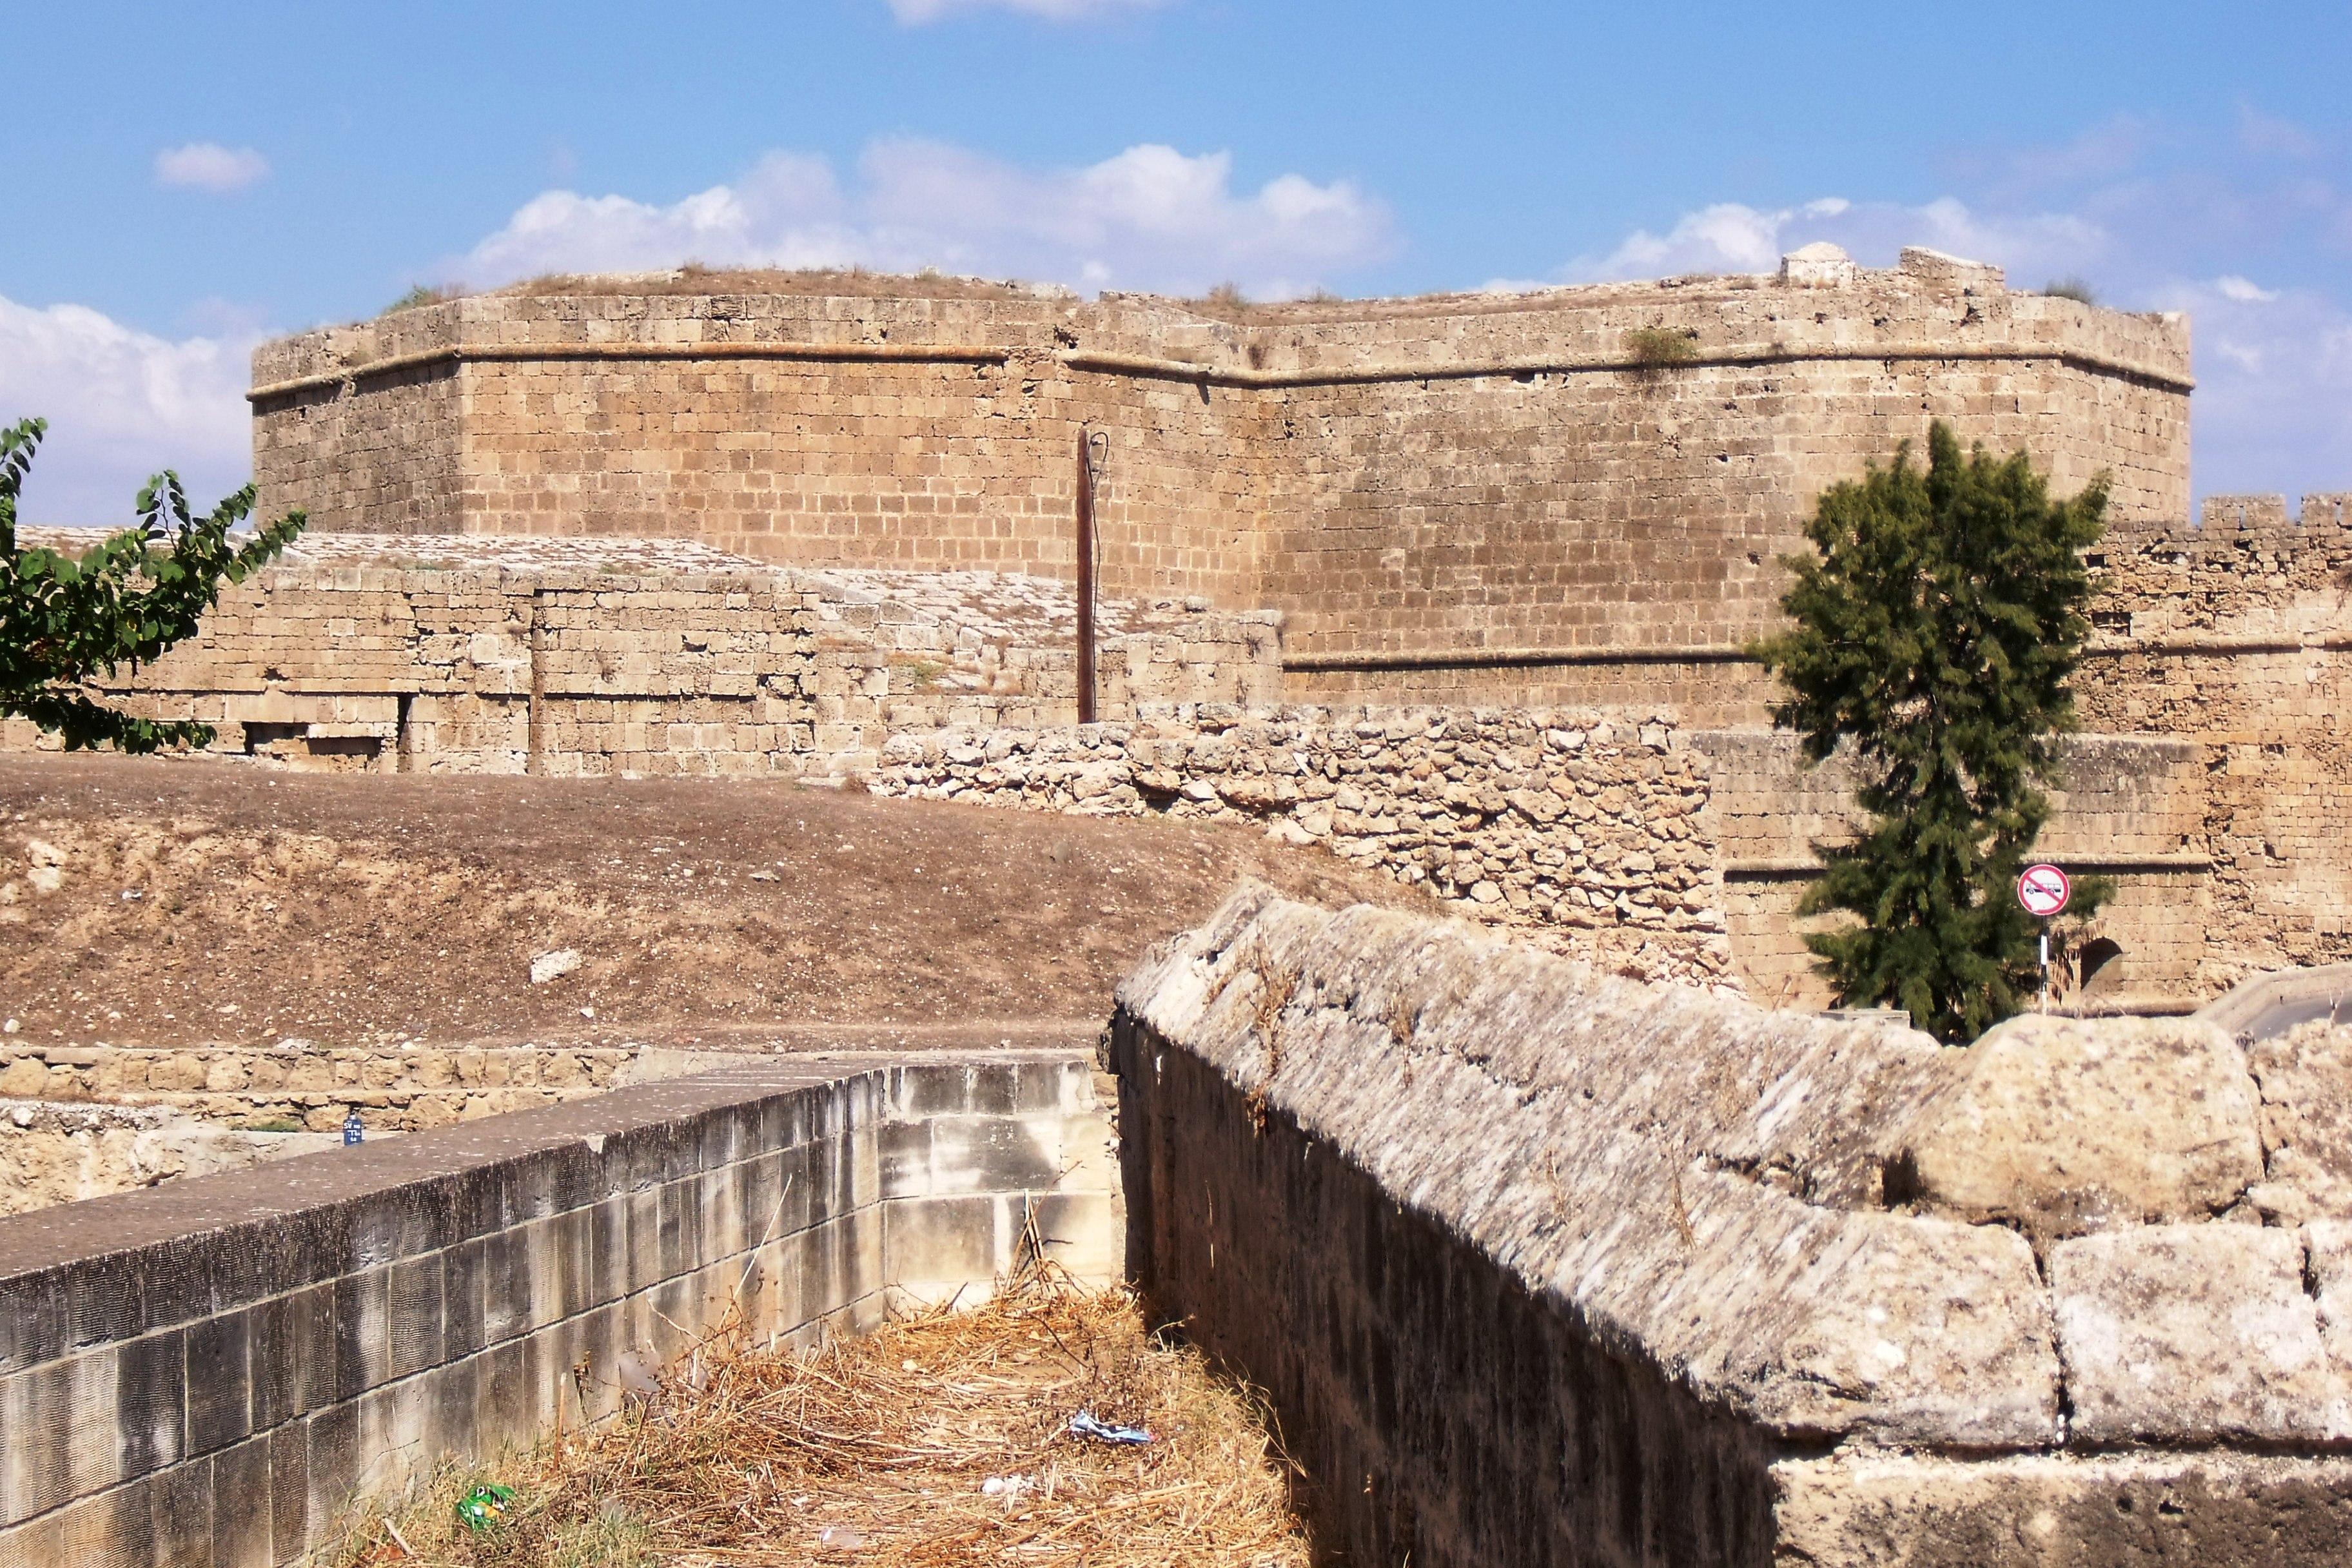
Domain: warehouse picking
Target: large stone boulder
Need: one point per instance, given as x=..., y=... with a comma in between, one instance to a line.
x=2064, y=1126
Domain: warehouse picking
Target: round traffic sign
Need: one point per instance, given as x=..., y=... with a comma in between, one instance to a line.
x=2043, y=890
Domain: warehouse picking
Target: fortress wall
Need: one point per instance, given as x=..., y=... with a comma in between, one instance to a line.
x=379, y=455
x=386, y=462
x=1424, y=476
x=936, y=434
x=2233, y=632
x=2134, y=810
x=471, y=654
x=216, y=1371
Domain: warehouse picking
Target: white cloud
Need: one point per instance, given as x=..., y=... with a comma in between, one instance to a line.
x=2244, y=290
x=915, y=13
x=2272, y=408
x=1731, y=238
x=1151, y=217
x=121, y=404
x=209, y=166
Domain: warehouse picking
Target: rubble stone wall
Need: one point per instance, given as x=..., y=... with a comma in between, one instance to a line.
x=214, y=1371
x=1577, y=828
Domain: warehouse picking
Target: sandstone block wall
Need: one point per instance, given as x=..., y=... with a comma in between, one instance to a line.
x=437, y=654
x=2133, y=809
x=1543, y=1267
x=1421, y=478
x=212, y=1372
x=2236, y=634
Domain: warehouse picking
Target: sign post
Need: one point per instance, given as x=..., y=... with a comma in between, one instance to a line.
x=2043, y=890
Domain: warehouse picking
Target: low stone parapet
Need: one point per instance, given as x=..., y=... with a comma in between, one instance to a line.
x=1542, y=1266
x=213, y=1372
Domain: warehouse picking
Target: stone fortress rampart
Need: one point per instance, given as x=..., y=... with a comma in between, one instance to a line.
x=1362, y=562
x=1420, y=487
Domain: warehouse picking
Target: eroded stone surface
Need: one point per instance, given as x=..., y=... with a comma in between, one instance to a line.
x=2114, y=1510
x=2175, y=1334
x=1686, y=1171
x=2306, y=1075
x=2065, y=1126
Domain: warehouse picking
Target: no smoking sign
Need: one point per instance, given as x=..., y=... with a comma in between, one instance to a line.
x=2043, y=890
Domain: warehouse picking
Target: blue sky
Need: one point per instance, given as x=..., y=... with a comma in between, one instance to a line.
x=184, y=180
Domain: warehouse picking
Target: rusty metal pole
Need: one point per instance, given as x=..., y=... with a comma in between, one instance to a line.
x=1085, y=577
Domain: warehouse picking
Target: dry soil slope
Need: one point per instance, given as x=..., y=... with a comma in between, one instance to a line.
x=197, y=900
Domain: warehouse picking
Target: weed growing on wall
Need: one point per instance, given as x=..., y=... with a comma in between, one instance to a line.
x=65, y=622
x=1934, y=633
x=1654, y=348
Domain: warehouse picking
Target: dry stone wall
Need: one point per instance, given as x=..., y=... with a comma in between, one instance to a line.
x=1584, y=829
x=1541, y=1265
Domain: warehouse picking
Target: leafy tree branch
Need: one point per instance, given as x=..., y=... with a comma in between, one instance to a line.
x=65, y=623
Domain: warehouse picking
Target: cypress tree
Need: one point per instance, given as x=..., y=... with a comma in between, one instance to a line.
x=64, y=621
x=1934, y=635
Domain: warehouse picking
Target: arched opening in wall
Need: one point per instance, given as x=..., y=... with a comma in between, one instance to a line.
x=2103, y=967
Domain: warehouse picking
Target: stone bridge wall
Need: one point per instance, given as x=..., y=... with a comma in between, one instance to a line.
x=213, y=1371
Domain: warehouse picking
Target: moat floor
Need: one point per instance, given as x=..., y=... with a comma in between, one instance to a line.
x=944, y=1440
x=192, y=901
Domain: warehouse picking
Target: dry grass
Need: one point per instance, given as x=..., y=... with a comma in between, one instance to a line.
x=878, y=1450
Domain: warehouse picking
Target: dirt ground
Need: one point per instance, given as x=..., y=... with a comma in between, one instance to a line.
x=191, y=900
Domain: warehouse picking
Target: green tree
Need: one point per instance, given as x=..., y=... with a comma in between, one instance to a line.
x=1934, y=633
x=64, y=622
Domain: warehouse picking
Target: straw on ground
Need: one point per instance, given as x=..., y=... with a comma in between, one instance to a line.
x=940, y=1440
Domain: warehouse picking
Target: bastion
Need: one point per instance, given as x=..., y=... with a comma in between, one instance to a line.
x=1453, y=494
x=1368, y=571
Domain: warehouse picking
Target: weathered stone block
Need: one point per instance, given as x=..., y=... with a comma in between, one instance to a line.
x=2179, y=1332
x=2066, y=1125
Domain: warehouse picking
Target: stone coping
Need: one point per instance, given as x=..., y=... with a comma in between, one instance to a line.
x=130, y=1263
x=1708, y=1186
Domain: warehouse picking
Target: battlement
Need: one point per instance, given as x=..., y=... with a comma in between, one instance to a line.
x=1932, y=306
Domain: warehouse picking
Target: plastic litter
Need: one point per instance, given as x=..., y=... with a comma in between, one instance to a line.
x=841, y=1538
x=1009, y=1488
x=1084, y=1424
x=484, y=1506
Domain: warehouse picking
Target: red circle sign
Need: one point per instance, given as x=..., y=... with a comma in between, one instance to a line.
x=2043, y=890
